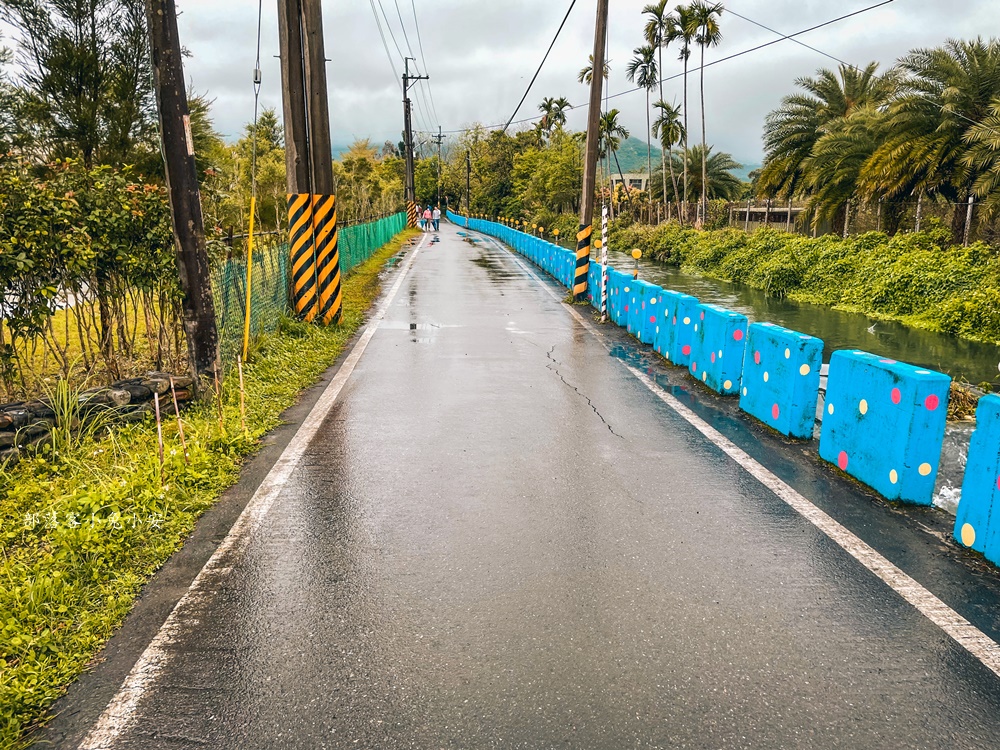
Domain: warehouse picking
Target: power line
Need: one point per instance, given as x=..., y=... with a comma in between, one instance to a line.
x=385, y=44
x=409, y=48
x=423, y=58
x=732, y=12
x=535, y=77
x=707, y=65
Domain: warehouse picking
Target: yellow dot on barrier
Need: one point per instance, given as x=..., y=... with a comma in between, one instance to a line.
x=728, y=384
x=924, y=469
x=804, y=370
x=704, y=375
x=687, y=321
x=788, y=353
x=893, y=476
x=968, y=535
x=766, y=376
x=863, y=407
x=829, y=408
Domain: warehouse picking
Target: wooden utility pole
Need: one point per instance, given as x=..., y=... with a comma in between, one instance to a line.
x=298, y=172
x=410, y=187
x=182, y=187
x=583, y=237
x=320, y=148
x=468, y=183
x=439, y=139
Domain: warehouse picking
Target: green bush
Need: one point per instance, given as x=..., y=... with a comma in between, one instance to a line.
x=919, y=278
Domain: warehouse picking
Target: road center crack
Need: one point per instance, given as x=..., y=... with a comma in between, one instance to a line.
x=553, y=366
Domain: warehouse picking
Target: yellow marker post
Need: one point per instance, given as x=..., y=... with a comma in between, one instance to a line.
x=246, y=311
x=541, y=232
x=637, y=253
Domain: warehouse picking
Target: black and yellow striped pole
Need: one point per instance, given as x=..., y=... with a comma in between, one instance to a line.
x=303, y=255
x=411, y=214
x=325, y=238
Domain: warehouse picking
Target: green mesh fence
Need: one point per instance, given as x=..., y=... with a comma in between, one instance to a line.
x=359, y=242
x=271, y=279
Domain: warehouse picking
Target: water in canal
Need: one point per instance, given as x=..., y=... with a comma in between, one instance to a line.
x=959, y=358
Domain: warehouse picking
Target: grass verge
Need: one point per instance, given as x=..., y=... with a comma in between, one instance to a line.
x=83, y=529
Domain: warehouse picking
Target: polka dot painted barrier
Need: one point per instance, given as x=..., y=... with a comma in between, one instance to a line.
x=594, y=284
x=637, y=322
x=977, y=522
x=623, y=285
x=718, y=343
x=884, y=424
x=677, y=315
x=781, y=371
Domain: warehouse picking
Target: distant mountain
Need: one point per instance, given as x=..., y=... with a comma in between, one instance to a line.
x=632, y=157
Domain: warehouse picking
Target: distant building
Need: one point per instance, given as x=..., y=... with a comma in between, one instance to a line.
x=634, y=180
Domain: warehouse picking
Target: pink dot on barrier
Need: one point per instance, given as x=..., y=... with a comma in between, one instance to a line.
x=694, y=367
x=842, y=461
x=998, y=483
x=652, y=318
x=685, y=350
x=756, y=357
x=775, y=411
x=626, y=308
x=932, y=402
x=675, y=320
x=702, y=314
x=713, y=357
x=887, y=361
x=896, y=396
x=738, y=334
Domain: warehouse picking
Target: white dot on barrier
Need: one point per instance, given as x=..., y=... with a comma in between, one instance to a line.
x=696, y=326
x=766, y=377
x=788, y=353
x=829, y=408
x=922, y=372
x=893, y=476
x=863, y=407
x=720, y=353
x=744, y=390
x=804, y=370
x=704, y=375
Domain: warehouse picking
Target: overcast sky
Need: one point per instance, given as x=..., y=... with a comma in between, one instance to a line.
x=480, y=56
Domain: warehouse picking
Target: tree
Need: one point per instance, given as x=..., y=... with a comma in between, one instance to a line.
x=611, y=135
x=553, y=113
x=586, y=74
x=642, y=71
x=791, y=130
x=943, y=93
x=709, y=34
x=86, y=70
x=659, y=24
x=721, y=182
x=684, y=28
x=670, y=130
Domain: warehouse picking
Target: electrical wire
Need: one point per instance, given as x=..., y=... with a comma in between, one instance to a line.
x=707, y=65
x=540, y=65
x=385, y=44
x=423, y=58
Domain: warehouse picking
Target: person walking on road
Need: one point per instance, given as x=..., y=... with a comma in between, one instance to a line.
x=437, y=218
x=427, y=219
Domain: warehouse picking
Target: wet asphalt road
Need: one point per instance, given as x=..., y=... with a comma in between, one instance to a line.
x=501, y=539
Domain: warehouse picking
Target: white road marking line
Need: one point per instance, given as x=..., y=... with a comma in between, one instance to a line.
x=121, y=712
x=967, y=635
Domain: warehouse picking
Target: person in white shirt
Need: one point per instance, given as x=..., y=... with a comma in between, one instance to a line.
x=437, y=218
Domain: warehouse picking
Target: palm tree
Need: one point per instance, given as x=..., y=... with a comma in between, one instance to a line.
x=670, y=130
x=586, y=74
x=945, y=90
x=658, y=24
x=709, y=35
x=684, y=28
x=983, y=157
x=720, y=182
x=611, y=135
x=553, y=113
x=642, y=71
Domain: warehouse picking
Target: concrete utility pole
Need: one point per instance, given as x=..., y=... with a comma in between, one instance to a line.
x=583, y=237
x=468, y=183
x=320, y=148
x=439, y=139
x=182, y=187
x=410, y=188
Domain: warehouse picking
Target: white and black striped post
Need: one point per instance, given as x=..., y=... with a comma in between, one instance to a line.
x=604, y=262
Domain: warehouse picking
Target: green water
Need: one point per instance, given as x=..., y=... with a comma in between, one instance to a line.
x=959, y=358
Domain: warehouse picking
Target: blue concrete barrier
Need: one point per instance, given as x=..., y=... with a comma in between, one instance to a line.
x=638, y=299
x=781, y=378
x=884, y=424
x=624, y=288
x=977, y=522
x=651, y=316
x=594, y=284
x=717, y=348
x=678, y=315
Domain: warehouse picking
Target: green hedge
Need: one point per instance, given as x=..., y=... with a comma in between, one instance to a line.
x=918, y=278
